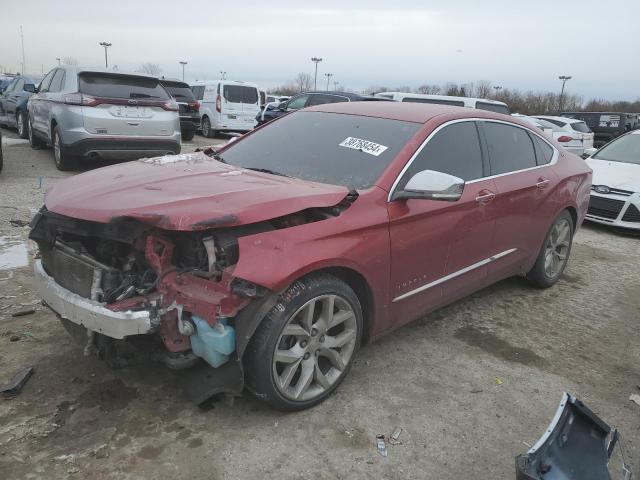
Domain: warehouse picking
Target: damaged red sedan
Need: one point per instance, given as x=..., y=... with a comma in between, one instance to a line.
x=270, y=261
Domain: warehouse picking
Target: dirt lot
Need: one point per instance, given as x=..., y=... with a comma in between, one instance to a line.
x=471, y=384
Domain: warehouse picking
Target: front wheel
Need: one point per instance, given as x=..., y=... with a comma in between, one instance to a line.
x=305, y=346
x=21, y=124
x=554, y=254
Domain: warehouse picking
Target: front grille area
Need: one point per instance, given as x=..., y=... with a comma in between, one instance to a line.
x=604, y=207
x=68, y=271
x=616, y=191
x=632, y=214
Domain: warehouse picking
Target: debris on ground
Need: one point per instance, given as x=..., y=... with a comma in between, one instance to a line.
x=635, y=398
x=476, y=390
x=14, y=386
x=395, y=435
x=14, y=338
x=498, y=381
x=22, y=313
x=16, y=222
x=382, y=445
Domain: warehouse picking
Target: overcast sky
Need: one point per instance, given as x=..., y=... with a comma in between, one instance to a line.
x=513, y=43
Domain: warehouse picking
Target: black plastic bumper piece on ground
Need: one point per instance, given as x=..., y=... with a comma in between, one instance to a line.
x=203, y=382
x=576, y=446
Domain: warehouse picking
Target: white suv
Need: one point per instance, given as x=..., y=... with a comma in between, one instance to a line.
x=226, y=105
x=91, y=114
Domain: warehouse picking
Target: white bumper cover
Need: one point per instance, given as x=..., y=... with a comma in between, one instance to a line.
x=88, y=313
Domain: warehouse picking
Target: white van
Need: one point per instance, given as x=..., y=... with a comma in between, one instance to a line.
x=479, y=103
x=226, y=105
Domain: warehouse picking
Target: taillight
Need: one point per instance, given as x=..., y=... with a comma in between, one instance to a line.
x=195, y=106
x=80, y=99
x=170, y=105
x=564, y=139
x=218, y=104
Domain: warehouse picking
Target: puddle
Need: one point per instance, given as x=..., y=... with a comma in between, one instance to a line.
x=13, y=253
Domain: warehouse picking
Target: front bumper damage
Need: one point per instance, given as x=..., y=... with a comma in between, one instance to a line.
x=577, y=445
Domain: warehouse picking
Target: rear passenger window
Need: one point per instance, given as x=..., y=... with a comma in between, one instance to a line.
x=454, y=150
x=510, y=148
x=544, y=152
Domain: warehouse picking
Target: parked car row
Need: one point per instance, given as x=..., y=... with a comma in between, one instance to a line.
x=606, y=125
x=13, y=102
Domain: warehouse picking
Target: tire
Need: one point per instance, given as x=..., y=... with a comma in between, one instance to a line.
x=554, y=253
x=34, y=141
x=206, y=128
x=188, y=135
x=64, y=161
x=1, y=159
x=313, y=359
x=21, y=124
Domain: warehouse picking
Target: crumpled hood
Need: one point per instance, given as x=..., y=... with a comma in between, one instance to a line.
x=186, y=192
x=624, y=176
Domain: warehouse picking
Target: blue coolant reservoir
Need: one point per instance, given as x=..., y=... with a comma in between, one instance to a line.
x=213, y=344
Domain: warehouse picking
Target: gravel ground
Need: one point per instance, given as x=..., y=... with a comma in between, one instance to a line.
x=471, y=384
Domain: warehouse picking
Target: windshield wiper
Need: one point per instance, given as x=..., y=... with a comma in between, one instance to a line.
x=266, y=170
x=219, y=158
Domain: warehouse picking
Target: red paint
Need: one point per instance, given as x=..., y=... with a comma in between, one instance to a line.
x=395, y=246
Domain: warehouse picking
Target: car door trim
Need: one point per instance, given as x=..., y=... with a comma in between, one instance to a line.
x=453, y=275
x=554, y=158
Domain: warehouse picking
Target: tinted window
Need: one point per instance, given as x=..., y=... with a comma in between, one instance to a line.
x=180, y=91
x=555, y=122
x=625, y=149
x=510, y=148
x=306, y=145
x=580, y=127
x=321, y=99
x=19, y=85
x=57, y=82
x=44, y=86
x=121, y=86
x=544, y=152
x=455, y=103
x=454, y=150
x=493, y=107
x=10, y=86
x=240, y=94
x=198, y=91
x=297, y=102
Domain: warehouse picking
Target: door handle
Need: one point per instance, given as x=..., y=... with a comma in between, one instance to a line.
x=542, y=182
x=485, y=197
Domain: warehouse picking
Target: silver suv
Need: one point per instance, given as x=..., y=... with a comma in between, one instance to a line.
x=92, y=114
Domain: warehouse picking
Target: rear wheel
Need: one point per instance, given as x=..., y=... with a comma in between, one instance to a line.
x=21, y=124
x=188, y=135
x=305, y=347
x=63, y=159
x=554, y=254
x=34, y=141
x=206, y=128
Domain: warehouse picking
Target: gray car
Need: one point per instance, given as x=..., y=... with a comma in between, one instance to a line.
x=94, y=114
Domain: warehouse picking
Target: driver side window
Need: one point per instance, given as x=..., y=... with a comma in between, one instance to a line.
x=297, y=103
x=454, y=150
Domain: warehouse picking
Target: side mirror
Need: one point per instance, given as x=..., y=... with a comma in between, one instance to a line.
x=590, y=152
x=432, y=185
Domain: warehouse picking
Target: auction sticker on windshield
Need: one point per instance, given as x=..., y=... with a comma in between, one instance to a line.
x=365, y=146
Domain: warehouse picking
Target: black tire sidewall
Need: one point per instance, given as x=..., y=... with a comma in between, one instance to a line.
x=258, y=358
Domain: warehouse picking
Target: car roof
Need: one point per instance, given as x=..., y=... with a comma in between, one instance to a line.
x=349, y=95
x=79, y=70
x=443, y=97
x=409, y=111
x=560, y=119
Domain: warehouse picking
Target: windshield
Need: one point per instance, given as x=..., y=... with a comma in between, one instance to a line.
x=625, y=149
x=580, y=127
x=180, y=91
x=121, y=86
x=332, y=148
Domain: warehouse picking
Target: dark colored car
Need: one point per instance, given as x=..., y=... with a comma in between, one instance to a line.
x=189, y=108
x=274, y=258
x=309, y=99
x=13, y=103
x=605, y=125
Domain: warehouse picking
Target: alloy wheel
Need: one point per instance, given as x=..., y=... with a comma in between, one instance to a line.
x=56, y=148
x=315, y=347
x=20, y=125
x=557, y=248
x=205, y=127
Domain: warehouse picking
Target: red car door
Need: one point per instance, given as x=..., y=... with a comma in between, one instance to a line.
x=523, y=201
x=438, y=247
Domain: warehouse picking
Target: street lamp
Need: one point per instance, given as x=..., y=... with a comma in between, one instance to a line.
x=105, y=45
x=223, y=75
x=497, y=88
x=316, y=60
x=564, y=79
x=58, y=58
x=183, y=64
x=328, y=75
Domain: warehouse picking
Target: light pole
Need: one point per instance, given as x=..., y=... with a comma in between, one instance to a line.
x=223, y=75
x=497, y=88
x=335, y=85
x=328, y=75
x=183, y=64
x=105, y=45
x=564, y=79
x=58, y=58
x=316, y=60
